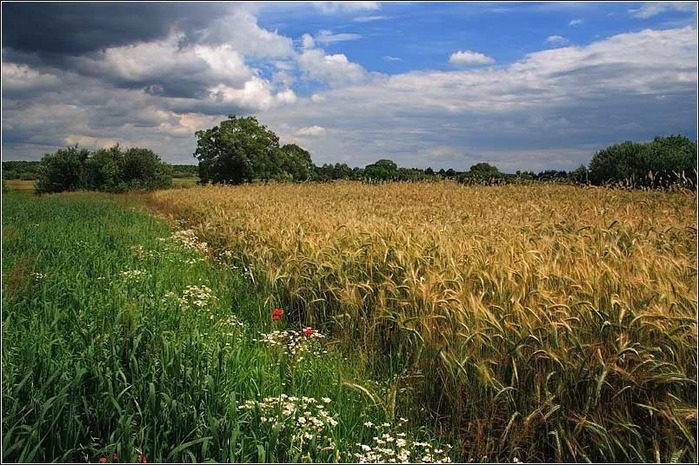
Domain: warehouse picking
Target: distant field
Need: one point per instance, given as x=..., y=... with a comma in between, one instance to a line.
x=555, y=322
x=20, y=185
x=185, y=182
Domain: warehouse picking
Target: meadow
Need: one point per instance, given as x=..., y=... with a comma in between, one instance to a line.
x=541, y=322
x=420, y=322
x=125, y=340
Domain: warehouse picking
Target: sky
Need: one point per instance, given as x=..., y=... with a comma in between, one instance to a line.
x=525, y=86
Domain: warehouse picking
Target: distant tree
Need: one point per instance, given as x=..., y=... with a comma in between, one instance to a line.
x=484, y=169
x=662, y=162
x=236, y=151
x=382, y=170
x=580, y=175
x=429, y=172
x=20, y=169
x=63, y=170
x=450, y=173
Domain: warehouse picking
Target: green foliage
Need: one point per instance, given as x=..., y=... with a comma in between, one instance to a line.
x=483, y=174
x=107, y=170
x=382, y=170
x=62, y=171
x=296, y=162
x=242, y=150
x=142, y=169
x=661, y=163
x=24, y=170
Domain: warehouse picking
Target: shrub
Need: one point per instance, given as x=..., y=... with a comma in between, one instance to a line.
x=108, y=170
x=62, y=171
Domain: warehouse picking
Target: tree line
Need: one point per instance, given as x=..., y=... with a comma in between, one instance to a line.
x=241, y=150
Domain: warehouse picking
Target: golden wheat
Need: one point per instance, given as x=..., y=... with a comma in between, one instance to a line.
x=547, y=318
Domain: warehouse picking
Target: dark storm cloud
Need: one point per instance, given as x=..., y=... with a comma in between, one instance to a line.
x=78, y=28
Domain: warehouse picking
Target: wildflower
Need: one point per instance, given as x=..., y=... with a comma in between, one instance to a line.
x=277, y=314
x=115, y=456
x=142, y=459
x=308, y=332
x=103, y=459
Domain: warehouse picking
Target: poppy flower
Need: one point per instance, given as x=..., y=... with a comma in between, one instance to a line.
x=308, y=331
x=277, y=314
x=103, y=460
x=142, y=459
x=115, y=456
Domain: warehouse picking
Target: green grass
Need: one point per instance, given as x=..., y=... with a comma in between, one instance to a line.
x=103, y=352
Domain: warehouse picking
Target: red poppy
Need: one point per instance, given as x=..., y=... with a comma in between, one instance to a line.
x=142, y=459
x=308, y=331
x=103, y=460
x=277, y=314
x=115, y=456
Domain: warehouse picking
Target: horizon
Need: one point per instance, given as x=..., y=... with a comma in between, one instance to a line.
x=528, y=86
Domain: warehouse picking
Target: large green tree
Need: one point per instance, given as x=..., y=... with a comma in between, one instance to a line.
x=238, y=150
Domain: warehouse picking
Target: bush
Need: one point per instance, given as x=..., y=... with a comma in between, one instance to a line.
x=62, y=171
x=108, y=170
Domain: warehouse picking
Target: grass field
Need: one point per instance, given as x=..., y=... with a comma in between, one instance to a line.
x=126, y=341
x=28, y=186
x=550, y=323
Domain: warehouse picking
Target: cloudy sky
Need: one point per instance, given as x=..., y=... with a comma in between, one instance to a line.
x=522, y=85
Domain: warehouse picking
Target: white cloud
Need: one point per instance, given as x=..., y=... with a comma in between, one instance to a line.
x=241, y=31
x=556, y=40
x=255, y=94
x=334, y=70
x=345, y=7
x=23, y=78
x=307, y=41
x=575, y=22
x=327, y=37
x=367, y=19
x=650, y=9
x=552, y=108
x=311, y=131
x=470, y=58
x=390, y=58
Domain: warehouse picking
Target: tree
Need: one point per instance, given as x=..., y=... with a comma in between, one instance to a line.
x=381, y=170
x=484, y=169
x=63, y=170
x=296, y=162
x=238, y=150
x=662, y=162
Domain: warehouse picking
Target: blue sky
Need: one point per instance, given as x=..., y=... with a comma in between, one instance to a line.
x=522, y=85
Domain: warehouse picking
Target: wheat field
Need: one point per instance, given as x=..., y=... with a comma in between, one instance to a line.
x=553, y=321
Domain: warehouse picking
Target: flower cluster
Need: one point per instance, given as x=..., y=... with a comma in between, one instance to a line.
x=133, y=275
x=188, y=239
x=277, y=314
x=38, y=276
x=397, y=447
x=303, y=421
x=142, y=253
x=295, y=342
x=192, y=297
